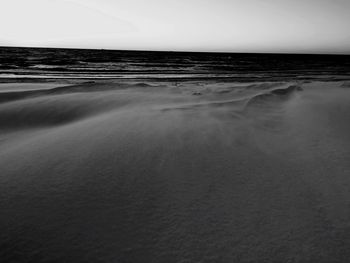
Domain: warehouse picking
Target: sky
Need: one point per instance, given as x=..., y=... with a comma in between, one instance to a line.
x=296, y=26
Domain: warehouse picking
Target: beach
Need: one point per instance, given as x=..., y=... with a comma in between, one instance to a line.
x=188, y=170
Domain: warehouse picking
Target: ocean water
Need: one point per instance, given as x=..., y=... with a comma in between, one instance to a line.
x=104, y=64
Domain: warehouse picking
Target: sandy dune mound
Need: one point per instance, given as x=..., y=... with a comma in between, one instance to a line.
x=110, y=176
x=56, y=106
x=275, y=95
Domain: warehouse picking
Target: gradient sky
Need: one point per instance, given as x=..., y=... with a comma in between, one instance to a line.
x=302, y=26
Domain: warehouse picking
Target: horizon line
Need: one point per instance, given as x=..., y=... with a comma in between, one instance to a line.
x=181, y=51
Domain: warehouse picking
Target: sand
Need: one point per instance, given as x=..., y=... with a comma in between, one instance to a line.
x=169, y=172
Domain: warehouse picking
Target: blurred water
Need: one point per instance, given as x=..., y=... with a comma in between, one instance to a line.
x=72, y=63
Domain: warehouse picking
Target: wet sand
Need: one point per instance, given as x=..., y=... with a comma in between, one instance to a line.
x=175, y=172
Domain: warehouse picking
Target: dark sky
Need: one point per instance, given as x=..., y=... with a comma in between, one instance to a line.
x=302, y=26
